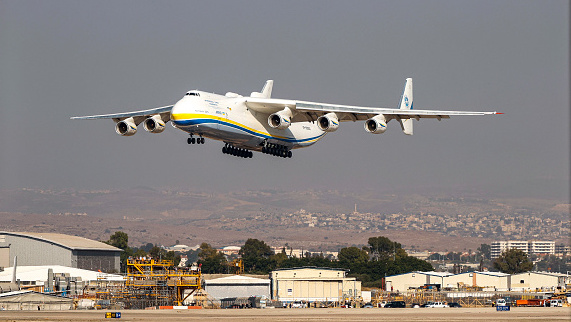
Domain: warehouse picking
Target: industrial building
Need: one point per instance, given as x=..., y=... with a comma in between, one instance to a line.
x=237, y=286
x=532, y=281
x=403, y=282
x=58, y=249
x=313, y=284
x=485, y=281
x=493, y=281
x=30, y=300
x=55, y=278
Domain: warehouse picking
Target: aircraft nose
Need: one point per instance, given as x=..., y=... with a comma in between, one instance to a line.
x=178, y=112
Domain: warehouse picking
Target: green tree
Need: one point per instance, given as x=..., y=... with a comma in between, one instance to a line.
x=513, y=261
x=485, y=251
x=382, y=248
x=171, y=256
x=119, y=239
x=157, y=253
x=211, y=260
x=256, y=256
x=353, y=256
x=552, y=263
x=147, y=247
x=139, y=253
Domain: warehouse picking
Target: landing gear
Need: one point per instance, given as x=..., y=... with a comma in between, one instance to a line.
x=192, y=140
x=237, y=152
x=276, y=150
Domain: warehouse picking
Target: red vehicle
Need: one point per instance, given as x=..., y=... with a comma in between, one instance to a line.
x=532, y=302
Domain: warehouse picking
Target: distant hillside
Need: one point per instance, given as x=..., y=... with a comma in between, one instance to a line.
x=322, y=219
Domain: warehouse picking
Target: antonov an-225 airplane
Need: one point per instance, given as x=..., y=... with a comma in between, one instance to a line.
x=261, y=123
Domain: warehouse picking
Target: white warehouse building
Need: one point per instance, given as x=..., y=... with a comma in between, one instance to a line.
x=313, y=284
x=403, y=282
x=488, y=281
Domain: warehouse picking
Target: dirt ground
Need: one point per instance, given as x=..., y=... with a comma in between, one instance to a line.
x=376, y=314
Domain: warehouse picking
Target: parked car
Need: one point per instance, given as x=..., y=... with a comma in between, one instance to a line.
x=436, y=304
x=368, y=305
x=501, y=302
x=234, y=306
x=382, y=303
x=454, y=304
x=298, y=304
x=395, y=304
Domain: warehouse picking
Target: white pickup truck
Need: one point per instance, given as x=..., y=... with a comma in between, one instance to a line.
x=436, y=304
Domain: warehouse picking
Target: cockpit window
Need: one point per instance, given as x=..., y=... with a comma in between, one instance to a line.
x=192, y=94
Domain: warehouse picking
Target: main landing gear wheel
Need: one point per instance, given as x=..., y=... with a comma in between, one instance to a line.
x=276, y=150
x=229, y=149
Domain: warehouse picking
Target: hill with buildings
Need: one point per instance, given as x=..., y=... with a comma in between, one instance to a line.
x=326, y=220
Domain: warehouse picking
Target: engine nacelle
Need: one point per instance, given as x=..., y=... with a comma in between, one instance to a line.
x=376, y=124
x=154, y=124
x=127, y=127
x=280, y=120
x=328, y=122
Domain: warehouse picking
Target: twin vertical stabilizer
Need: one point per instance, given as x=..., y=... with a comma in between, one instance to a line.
x=266, y=91
x=406, y=103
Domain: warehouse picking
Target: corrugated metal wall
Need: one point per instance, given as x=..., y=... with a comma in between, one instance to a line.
x=32, y=252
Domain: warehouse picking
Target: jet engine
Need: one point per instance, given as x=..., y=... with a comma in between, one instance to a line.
x=376, y=124
x=280, y=120
x=328, y=122
x=127, y=127
x=154, y=124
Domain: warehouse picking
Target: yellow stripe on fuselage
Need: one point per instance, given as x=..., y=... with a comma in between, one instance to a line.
x=194, y=116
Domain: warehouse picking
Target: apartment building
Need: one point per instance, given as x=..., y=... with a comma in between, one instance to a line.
x=529, y=247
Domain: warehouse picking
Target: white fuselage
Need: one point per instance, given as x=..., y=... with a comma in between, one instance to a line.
x=228, y=119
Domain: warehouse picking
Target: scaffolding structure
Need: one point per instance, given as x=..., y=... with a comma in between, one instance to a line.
x=152, y=282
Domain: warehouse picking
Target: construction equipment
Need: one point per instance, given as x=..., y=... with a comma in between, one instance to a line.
x=151, y=282
x=236, y=266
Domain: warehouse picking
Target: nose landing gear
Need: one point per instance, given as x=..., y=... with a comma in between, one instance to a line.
x=192, y=140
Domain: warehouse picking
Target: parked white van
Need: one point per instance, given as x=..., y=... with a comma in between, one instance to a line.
x=556, y=302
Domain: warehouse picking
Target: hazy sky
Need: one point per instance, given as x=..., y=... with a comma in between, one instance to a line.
x=69, y=58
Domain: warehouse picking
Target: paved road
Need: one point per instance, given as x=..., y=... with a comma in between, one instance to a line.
x=376, y=314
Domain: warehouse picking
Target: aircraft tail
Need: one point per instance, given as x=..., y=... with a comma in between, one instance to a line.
x=266, y=91
x=406, y=103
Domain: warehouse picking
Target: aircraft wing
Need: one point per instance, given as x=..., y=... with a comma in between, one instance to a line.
x=310, y=111
x=353, y=113
x=138, y=116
